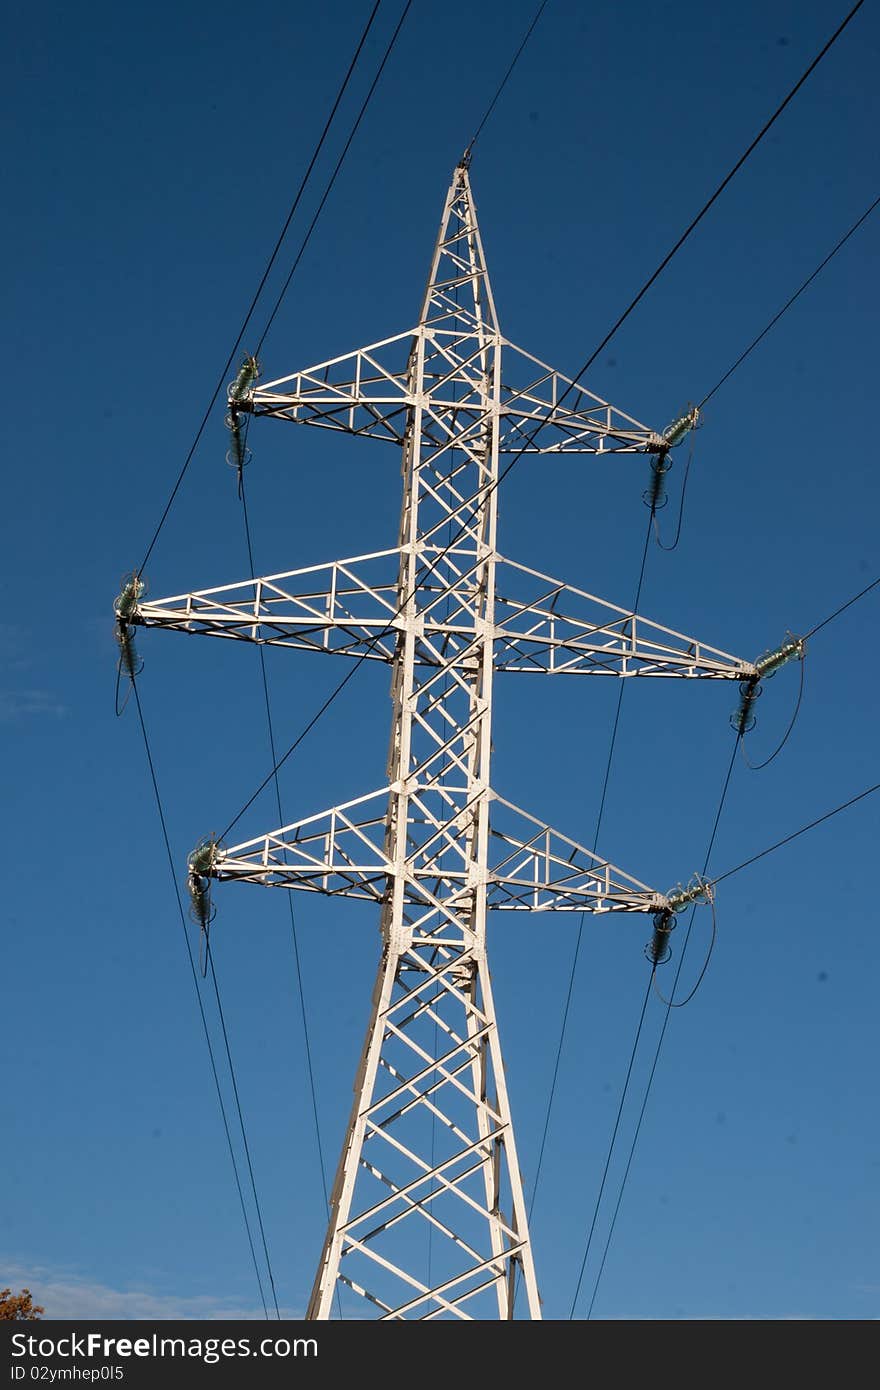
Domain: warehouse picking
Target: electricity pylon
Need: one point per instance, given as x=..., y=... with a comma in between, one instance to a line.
x=427, y=1216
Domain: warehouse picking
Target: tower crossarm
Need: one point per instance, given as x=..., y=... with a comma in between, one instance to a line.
x=534, y=868
x=347, y=606
x=369, y=393
x=352, y=607
x=542, y=411
x=341, y=853
x=366, y=392
x=543, y=625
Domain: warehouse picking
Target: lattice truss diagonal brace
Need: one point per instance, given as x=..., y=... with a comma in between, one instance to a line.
x=371, y=393
x=427, y=1212
x=342, y=853
x=351, y=607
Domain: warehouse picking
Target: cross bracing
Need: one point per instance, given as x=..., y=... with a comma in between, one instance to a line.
x=342, y=853
x=363, y=394
x=350, y=607
x=429, y=1149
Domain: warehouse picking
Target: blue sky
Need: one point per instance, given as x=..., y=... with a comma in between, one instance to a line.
x=155, y=153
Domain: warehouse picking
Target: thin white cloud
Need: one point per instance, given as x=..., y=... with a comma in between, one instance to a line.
x=69, y=1296
x=29, y=704
x=12, y=648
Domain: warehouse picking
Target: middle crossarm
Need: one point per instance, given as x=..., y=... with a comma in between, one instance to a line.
x=341, y=853
x=352, y=607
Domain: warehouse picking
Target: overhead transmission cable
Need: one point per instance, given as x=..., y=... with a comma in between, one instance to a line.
x=811, y=825
x=788, y=303
x=616, y=721
x=195, y=980
x=747, y=352
x=586, y=365
x=503, y=83
x=712, y=883
x=576, y=954
x=429, y=569
x=216, y=392
x=693, y=224
x=310, y=1070
x=842, y=609
x=242, y=493
x=331, y=181
x=707, y=397
x=269, y=264
x=507, y=469
x=623, y=1096
x=724, y=790
x=247, y=1148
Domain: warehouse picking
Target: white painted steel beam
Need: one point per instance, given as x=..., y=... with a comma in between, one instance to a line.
x=428, y=1218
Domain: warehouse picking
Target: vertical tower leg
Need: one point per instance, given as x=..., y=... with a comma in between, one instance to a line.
x=469, y=1193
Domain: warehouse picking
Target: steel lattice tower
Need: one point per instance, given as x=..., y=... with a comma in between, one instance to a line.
x=429, y=1158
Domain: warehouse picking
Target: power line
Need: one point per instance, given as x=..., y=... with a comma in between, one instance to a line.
x=669, y=1007
x=577, y=947
x=492, y=487
x=794, y=835
x=340, y=686
x=718, y=879
x=745, y=864
x=253, y=304
x=653, y=969
x=629, y=1160
x=374, y=642
x=195, y=980
x=842, y=609
x=611, y=1145
x=339, y=163
x=219, y=1005
x=247, y=1150
x=293, y=932
x=337, y=690
x=787, y=305
x=751, y=347
x=721, y=187
x=661, y=267
x=503, y=83
x=506, y=470
x=272, y=315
